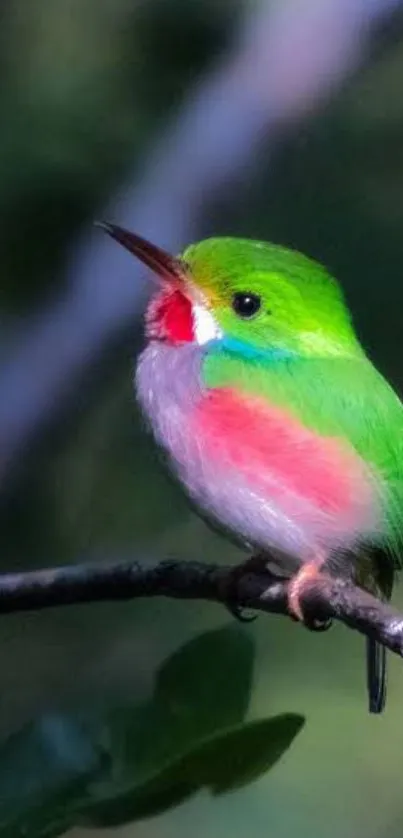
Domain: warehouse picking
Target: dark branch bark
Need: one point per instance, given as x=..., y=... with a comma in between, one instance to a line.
x=242, y=587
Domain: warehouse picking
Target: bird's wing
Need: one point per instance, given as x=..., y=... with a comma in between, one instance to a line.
x=339, y=397
x=351, y=398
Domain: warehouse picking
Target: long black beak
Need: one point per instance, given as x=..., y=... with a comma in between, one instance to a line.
x=164, y=265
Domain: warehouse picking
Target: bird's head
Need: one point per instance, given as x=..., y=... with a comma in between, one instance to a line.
x=252, y=296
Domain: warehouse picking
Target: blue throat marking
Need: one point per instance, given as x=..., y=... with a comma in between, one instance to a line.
x=239, y=347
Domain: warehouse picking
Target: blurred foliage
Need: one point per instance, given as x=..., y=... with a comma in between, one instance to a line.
x=85, y=85
x=137, y=761
x=86, y=88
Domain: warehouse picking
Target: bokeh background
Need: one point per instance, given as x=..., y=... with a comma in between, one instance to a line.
x=279, y=120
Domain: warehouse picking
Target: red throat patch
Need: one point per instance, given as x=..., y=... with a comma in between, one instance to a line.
x=169, y=317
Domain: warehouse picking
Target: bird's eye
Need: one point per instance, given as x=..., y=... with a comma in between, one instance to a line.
x=246, y=304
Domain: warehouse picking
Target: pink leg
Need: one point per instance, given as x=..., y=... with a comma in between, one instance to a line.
x=309, y=572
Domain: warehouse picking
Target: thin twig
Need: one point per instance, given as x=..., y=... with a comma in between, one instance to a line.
x=325, y=599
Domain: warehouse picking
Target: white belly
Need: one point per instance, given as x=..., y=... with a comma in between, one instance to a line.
x=168, y=386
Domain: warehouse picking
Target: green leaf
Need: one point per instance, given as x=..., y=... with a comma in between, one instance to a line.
x=207, y=683
x=44, y=770
x=201, y=690
x=244, y=754
x=228, y=761
x=203, y=687
x=136, y=761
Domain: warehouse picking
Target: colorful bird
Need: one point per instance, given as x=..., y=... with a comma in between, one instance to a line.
x=278, y=426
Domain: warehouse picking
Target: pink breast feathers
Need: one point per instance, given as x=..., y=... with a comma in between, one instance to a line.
x=283, y=460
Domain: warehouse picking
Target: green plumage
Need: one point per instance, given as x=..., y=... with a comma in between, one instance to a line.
x=340, y=397
x=276, y=329
x=303, y=307
x=301, y=353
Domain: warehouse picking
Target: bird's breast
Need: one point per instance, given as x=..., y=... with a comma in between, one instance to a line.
x=249, y=465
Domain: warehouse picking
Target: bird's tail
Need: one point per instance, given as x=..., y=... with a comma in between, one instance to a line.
x=376, y=675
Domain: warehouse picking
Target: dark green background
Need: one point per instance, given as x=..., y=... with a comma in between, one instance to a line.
x=86, y=87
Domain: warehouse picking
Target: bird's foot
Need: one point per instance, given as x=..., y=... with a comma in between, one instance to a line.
x=252, y=565
x=239, y=613
x=310, y=572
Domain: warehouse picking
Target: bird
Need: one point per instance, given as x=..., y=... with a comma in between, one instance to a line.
x=271, y=416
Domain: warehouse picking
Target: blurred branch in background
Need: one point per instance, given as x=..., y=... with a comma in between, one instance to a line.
x=242, y=586
x=285, y=59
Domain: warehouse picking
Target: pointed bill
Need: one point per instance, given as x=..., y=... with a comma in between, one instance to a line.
x=165, y=266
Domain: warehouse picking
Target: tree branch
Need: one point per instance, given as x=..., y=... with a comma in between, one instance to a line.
x=324, y=599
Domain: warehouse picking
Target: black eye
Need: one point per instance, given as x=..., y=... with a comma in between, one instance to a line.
x=246, y=304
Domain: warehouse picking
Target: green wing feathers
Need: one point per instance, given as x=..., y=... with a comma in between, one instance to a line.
x=366, y=411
